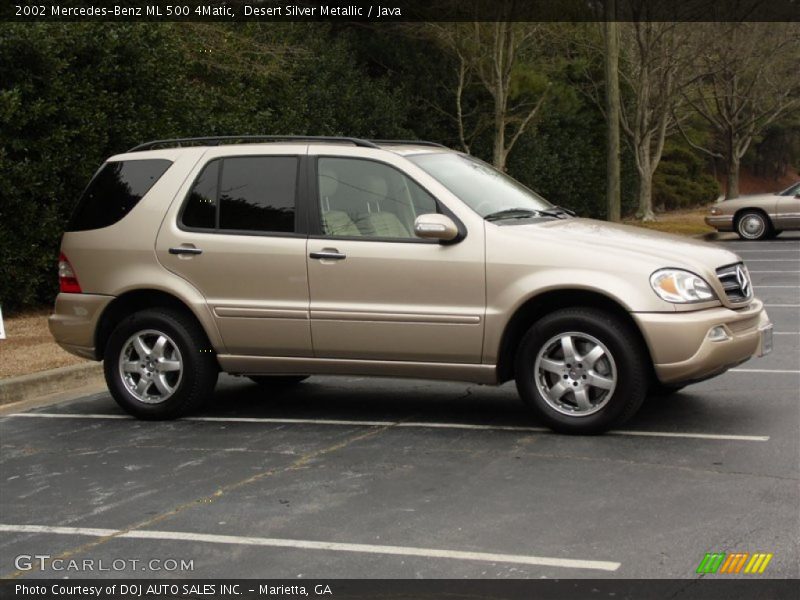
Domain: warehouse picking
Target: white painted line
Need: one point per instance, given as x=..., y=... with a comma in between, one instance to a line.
x=751, y=260
x=786, y=333
x=795, y=371
x=774, y=272
x=700, y=436
x=793, y=287
x=782, y=305
x=416, y=424
x=540, y=561
x=767, y=251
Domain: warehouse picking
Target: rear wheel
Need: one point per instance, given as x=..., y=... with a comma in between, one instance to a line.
x=277, y=380
x=158, y=364
x=753, y=225
x=581, y=370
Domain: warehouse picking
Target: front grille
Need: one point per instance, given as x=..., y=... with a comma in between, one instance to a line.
x=735, y=281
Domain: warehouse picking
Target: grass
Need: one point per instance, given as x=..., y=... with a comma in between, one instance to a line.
x=29, y=347
x=683, y=222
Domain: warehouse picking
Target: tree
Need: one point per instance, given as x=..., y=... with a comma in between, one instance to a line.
x=655, y=72
x=613, y=113
x=502, y=58
x=749, y=78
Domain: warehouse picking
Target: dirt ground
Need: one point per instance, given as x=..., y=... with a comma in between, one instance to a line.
x=29, y=347
x=684, y=222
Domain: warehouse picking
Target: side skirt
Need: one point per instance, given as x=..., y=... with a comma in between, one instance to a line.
x=283, y=365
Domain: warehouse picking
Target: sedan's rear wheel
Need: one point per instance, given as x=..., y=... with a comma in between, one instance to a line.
x=753, y=225
x=582, y=370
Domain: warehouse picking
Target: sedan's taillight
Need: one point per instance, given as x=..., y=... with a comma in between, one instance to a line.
x=67, y=280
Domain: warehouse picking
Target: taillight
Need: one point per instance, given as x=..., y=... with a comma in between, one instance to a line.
x=67, y=280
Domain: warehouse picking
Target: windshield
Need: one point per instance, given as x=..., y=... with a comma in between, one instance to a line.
x=791, y=190
x=483, y=188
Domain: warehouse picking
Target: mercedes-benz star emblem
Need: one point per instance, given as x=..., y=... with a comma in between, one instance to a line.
x=743, y=281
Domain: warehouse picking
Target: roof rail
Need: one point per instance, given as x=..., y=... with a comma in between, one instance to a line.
x=244, y=139
x=409, y=142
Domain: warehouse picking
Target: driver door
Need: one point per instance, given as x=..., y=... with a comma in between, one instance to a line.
x=377, y=292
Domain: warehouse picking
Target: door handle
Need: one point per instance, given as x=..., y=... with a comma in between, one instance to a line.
x=328, y=254
x=185, y=250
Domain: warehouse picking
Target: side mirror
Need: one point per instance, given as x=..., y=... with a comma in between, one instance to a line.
x=435, y=227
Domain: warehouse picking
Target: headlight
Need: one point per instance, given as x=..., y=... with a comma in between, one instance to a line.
x=677, y=286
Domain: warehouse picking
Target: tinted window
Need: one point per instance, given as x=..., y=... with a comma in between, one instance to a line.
x=364, y=198
x=201, y=206
x=258, y=193
x=114, y=191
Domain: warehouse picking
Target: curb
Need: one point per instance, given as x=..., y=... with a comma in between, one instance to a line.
x=25, y=387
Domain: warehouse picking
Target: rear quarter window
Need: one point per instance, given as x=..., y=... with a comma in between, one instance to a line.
x=113, y=192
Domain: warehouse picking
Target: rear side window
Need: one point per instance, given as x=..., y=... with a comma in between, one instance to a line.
x=114, y=191
x=246, y=193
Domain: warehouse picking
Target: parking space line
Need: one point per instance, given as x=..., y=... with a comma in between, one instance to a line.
x=415, y=424
x=786, y=333
x=771, y=259
x=795, y=371
x=782, y=305
x=146, y=534
x=794, y=287
x=752, y=272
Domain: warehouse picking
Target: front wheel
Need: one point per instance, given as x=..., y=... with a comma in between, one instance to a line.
x=158, y=365
x=582, y=370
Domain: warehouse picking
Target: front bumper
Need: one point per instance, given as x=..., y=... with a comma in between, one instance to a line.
x=682, y=351
x=74, y=322
x=720, y=222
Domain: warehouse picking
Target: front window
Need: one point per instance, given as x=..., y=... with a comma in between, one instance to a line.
x=483, y=188
x=364, y=198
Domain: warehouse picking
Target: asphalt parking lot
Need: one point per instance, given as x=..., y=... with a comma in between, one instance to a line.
x=355, y=478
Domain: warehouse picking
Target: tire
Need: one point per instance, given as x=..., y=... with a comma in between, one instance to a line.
x=660, y=390
x=618, y=368
x=277, y=381
x=169, y=352
x=753, y=225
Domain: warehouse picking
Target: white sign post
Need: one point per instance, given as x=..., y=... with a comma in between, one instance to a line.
x=2, y=329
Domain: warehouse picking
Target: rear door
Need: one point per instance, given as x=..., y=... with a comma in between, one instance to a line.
x=237, y=236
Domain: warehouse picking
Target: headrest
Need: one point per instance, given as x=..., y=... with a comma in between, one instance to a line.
x=328, y=182
x=375, y=186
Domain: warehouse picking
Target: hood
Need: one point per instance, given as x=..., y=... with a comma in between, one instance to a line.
x=663, y=249
x=748, y=199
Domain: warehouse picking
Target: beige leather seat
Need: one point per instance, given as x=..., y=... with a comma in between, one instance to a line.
x=334, y=222
x=377, y=222
x=383, y=224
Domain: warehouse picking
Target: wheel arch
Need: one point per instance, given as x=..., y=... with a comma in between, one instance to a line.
x=136, y=300
x=545, y=303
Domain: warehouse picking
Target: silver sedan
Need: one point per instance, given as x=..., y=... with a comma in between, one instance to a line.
x=759, y=216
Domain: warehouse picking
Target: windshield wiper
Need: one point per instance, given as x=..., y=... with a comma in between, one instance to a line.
x=558, y=212
x=512, y=213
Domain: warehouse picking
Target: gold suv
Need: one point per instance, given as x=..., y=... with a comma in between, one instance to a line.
x=282, y=257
